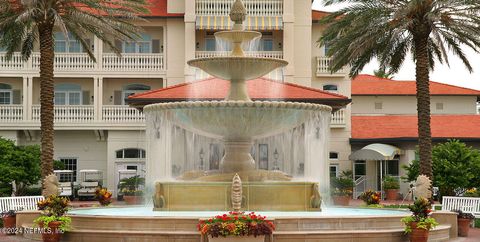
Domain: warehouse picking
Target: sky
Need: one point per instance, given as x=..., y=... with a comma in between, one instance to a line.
x=456, y=74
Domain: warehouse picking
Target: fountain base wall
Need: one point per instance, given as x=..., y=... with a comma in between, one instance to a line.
x=257, y=196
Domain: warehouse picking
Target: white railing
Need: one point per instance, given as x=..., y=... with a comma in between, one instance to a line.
x=121, y=114
x=338, y=119
x=68, y=62
x=133, y=62
x=323, y=67
x=265, y=54
x=360, y=186
x=19, y=203
x=11, y=113
x=68, y=113
x=254, y=7
x=15, y=63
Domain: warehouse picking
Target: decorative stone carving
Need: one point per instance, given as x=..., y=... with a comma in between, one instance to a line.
x=236, y=193
x=316, y=198
x=158, y=197
x=238, y=12
x=423, y=187
x=51, y=185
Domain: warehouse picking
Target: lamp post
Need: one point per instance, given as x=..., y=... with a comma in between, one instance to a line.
x=275, y=160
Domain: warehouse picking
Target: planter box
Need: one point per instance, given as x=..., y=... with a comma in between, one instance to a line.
x=341, y=200
x=238, y=239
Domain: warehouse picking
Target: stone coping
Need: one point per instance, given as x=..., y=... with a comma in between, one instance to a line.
x=239, y=104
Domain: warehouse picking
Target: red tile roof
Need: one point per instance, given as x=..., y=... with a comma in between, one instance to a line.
x=259, y=89
x=158, y=8
x=405, y=126
x=372, y=85
x=318, y=15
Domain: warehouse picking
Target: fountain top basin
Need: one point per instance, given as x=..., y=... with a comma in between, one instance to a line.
x=237, y=120
x=236, y=68
x=238, y=35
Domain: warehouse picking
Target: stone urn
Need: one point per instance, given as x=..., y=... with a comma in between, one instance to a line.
x=133, y=200
x=418, y=235
x=238, y=239
x=391, y=194
x=341, y=200
x=52, y=232
x=9, y=224
x=463, y=226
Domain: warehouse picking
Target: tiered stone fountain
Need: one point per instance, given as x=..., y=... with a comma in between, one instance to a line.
x=237, y=121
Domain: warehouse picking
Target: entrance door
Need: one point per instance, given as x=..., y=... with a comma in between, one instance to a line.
x=386, y=168
x=139, y=167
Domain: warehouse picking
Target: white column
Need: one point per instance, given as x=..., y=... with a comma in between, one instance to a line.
x=289, y=39
x=98, y=52
x=25, y=98
x=29, y=99
x=190, y=39
x=98, y=99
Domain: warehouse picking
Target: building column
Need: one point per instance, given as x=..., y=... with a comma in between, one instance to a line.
x=97, y=98
x=289, y=39
x=25, y=98
x=28, y=97
x=98, y=52
x=190, y=39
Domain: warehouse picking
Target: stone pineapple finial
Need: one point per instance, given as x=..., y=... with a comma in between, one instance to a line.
x=236, y=193
x=238, y=12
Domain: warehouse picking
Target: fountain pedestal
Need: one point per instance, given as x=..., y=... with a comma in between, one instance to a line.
x=237, y=157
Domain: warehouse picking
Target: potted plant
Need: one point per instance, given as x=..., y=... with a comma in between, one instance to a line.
x=9, y=219
x=53, y=220
x=130, y=188
x=419, y=223
x=236, y=226
x=391, y=186
x=342, y=189
x=103, y=196
x=371, y=198
x=464, y=220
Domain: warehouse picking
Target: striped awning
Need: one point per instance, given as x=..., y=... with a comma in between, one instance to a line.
x=251, y=23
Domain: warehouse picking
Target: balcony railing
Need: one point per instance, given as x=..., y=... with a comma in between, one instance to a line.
x=121, y=114
x=338, y=119
x=11, y=113
x=323, y=68
x=65, y=62
x=266, y=54
x=68, y=113
x=133, y=62
x=254, y=7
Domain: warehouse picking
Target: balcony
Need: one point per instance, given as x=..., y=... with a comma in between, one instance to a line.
x=323, y=68
x=121, y=114
x=81, y=62
x=254, y=7
x=338, y=119
x=68, y=113
x=11, y=113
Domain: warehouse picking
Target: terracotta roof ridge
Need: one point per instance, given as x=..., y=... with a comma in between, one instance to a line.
x=168, y=88
x=450, y=85
x=314, y=89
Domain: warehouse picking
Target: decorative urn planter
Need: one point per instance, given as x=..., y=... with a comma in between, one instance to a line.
x=52, y=233
x=9, y=224
x=133, y=200
x=341, y=200
x=237, y=239
x=418, y=235
x=463, y=226
x=391, y=194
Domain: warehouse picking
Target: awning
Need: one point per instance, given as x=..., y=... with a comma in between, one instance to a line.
x=251, y=23
x=376, y=152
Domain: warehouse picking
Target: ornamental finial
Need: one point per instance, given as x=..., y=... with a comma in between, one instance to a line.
x=238, y=12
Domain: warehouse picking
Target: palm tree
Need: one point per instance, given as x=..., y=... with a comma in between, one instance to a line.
x=24, y=22
x=388, y=30
x=383, y=74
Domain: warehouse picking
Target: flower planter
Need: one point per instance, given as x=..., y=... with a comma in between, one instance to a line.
x=238, y=239
x=9, y=224
x=463, y=227
x=133, y=200
x=418, y=235
x=391, y=194
x=341, y=200
x=52, y=233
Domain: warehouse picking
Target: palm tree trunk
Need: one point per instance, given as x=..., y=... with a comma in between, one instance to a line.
x=46, y=96
x=423, y=104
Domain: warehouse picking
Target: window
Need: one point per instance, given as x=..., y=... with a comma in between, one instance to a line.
x=64, y=45
x=210, y=44
x=132, y=89
x=68, y=94
x=70, y=164
x=333, y=156
x=326, y=48
x=378, y=106
x=334, y=170
x=144, y=45
x=330, y=88
x=5, y=94
x=439, y=106
x=267, y=44
x=130, y=153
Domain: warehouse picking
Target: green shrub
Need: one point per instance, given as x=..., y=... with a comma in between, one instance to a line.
x=477, y=223
x=390, y=182
x=33, y=191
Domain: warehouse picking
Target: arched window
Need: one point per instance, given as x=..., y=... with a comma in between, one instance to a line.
x=68, y=94
x=5, y=93
x=132, y=89
x=330, y=88
x=130, y=153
